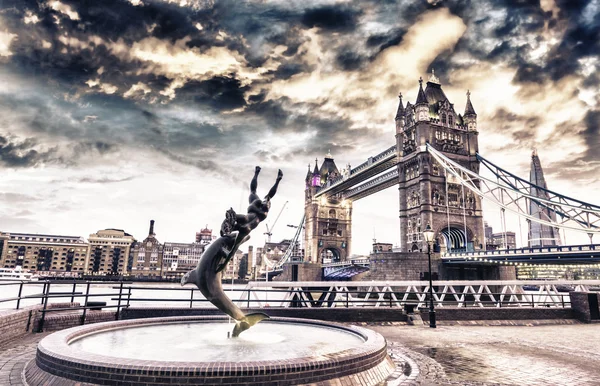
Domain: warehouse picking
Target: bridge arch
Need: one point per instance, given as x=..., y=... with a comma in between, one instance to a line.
x=330, y=254
x=454, y=237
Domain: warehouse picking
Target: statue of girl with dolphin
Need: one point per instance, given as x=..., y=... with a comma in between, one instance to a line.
x=235, y=230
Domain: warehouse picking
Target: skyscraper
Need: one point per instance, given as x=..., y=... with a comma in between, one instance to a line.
x=540, y=235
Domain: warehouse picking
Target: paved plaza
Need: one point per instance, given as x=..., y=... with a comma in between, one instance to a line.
x=500, y=355
x=452, y=355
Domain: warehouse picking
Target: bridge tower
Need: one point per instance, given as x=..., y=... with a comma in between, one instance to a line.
x=328, y=220
x=427, y=194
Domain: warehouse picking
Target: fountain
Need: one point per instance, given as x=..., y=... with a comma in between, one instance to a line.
x=199, y=350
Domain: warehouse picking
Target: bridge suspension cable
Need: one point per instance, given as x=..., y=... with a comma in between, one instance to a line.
x=290, y=251
x=512, y=193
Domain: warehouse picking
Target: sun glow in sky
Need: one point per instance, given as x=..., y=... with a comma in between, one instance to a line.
x=116, y=112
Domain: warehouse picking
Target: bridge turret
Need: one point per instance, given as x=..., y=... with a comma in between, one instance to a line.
x=470, y=116
x=400, y=116
x=422, y=106
x=316, y=176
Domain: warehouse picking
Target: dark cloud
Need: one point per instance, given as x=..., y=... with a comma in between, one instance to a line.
x=383, y=41
x=331, y=18
x=591, y=135
x=219, y=92
x=288, y=69
x=22, y=154
x=499, y=32
x=349, y=60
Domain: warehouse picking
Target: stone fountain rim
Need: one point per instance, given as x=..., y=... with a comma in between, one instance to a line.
x=54, y=351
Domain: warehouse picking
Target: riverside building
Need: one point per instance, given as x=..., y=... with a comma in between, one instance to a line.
x=44, y=254
x=109, y=252
x=178, y=258
x=148, y=256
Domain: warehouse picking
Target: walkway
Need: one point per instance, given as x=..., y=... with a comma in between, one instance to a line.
x=500, y=355
x=13, y=358
x=453, y=355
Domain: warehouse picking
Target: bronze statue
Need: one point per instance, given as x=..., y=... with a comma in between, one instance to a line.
x=235, y=230
x=257, y=212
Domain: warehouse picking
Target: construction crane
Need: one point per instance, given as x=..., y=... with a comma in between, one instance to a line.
x=269, y=229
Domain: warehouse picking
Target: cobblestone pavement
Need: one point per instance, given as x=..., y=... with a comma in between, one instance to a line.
x=505, y=355
x=451, y=355
x=13, y=358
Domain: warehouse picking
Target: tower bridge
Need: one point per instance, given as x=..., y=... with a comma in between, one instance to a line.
x=435, y=163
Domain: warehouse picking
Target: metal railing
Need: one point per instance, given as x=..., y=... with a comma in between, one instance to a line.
x=563, y=249
x=498, y=294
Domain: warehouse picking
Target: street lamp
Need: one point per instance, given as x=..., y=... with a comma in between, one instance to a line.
x=428, y=236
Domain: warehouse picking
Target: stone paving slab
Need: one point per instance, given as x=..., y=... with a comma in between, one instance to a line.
x=502, y=355
x=14, y=357
x=472, y=355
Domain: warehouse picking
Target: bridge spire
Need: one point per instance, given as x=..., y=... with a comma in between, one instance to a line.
x=400, y=112
x=421, y=98
x=469, y=110
x=308, y=176
x=316, y=176
x=400, y=120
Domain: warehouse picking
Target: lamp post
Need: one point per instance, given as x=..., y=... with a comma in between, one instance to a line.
x=428, y=236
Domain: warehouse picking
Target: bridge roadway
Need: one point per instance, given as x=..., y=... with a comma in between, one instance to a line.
x=373, y=166
x=588, y=254
x=568, y=254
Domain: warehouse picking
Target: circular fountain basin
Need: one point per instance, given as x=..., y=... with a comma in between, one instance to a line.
x=196, y=350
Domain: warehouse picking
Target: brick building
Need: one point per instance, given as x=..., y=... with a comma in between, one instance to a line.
x=45, y=254
x=109, y=252
x=148, y=256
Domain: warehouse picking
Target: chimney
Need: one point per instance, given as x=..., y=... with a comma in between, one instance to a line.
x=151, y=232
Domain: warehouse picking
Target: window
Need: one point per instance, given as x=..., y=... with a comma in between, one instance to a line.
x=450, y=120
x=443, y=118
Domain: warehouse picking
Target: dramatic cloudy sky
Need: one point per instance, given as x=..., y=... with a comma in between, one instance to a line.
x=113, y=113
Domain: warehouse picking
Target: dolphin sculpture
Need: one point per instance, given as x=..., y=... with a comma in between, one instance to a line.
x=207, y=277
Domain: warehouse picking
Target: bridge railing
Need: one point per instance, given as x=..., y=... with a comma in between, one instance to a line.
x=346, y=294
x=415, y=293
x=391, y=151
x=376, y=181
x=373, y=160
x=525, y=251
x=347, y=263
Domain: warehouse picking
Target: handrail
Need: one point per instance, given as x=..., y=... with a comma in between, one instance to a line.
x=291, y=294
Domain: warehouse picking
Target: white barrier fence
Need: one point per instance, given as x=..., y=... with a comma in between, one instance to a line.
x=415, y=293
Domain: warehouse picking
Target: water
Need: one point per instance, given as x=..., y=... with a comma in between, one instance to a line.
x=208, y=342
